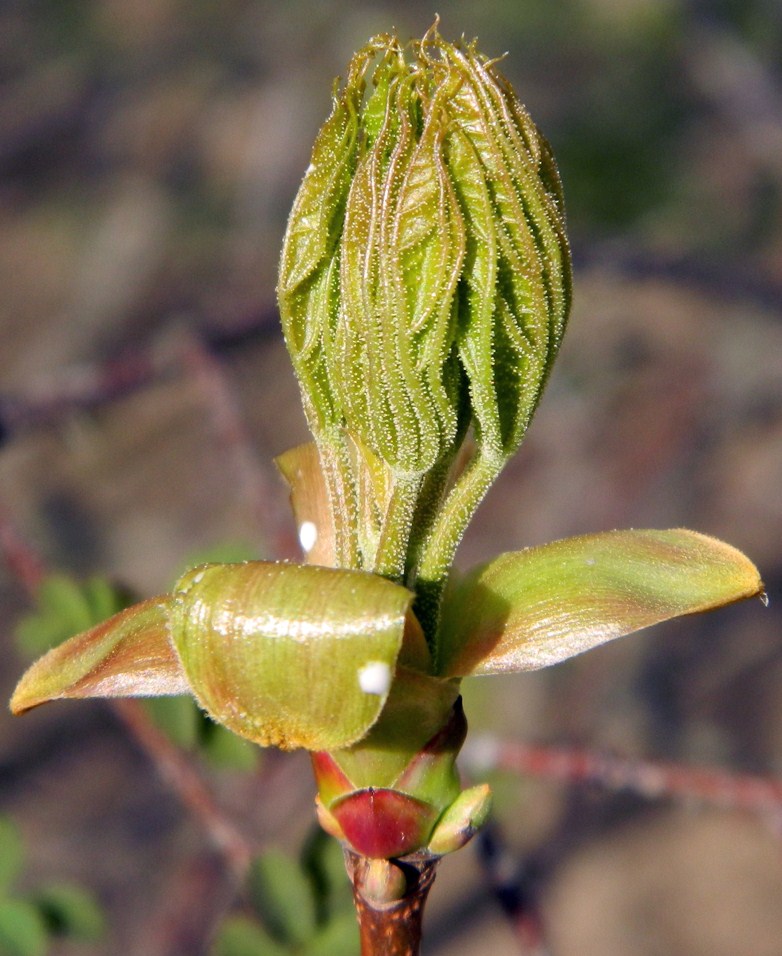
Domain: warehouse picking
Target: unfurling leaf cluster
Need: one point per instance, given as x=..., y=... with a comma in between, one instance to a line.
x=425, y=275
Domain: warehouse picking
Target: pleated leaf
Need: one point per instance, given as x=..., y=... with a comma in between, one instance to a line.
x=309, y=266
x=517, y=269
x=128, y=655
x=532, y=608
x=426, y=271
x=290, y=655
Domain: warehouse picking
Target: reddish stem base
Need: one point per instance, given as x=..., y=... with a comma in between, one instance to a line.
x=390, y=927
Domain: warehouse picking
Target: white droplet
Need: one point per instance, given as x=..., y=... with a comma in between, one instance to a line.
x=308, y=535
x=375, y=678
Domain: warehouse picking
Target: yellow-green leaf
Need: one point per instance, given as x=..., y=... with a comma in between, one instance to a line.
x=532, y=608
x=128, y=655
x=290, y=655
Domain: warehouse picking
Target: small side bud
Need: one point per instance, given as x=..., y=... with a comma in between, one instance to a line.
x=383, y=882
x=462, y=820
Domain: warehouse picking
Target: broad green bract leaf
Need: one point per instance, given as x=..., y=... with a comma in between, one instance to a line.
x=283, y=654
x=532, y=608
x=290, y=655
x=128, y=655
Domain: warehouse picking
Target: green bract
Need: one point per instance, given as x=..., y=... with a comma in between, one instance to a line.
x=281, y=654
x=334, y=660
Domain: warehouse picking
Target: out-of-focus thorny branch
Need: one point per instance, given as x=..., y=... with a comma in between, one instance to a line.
x=89, y=385
x=514, y=885
x=648, y=779
x=234, y=439
x=514, y=882
x=180, y=775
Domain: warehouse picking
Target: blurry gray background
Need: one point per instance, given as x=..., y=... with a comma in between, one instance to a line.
x=149, y=153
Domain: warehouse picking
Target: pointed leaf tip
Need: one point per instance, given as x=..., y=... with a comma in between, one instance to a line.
x=128, y=655
x=529, y=609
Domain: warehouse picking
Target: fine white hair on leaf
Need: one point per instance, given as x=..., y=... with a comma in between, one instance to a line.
x=308, y=535
x=375, y=678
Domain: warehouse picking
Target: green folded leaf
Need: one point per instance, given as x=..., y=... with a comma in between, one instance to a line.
x=128, y=655
x=532, y=608
x=240, y=936
x=283, y=897
x=69, y=910
x=11, y=853
x=22, y=929
x=289, y=655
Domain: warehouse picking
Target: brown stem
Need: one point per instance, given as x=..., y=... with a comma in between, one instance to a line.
x=647, y=778
x=390, y=897
x=180, y=774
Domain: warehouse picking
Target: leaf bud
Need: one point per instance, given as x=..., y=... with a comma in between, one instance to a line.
x=425, y=274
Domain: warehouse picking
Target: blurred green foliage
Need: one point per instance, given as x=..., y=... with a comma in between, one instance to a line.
x=32, y=921
x=295, y=907
x=64, y=607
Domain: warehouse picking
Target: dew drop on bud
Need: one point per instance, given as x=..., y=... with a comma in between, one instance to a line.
x=375, y=678
x=308, y=535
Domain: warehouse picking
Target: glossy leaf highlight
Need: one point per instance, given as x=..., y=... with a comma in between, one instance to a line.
x=529, y=609
x=277, y=652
